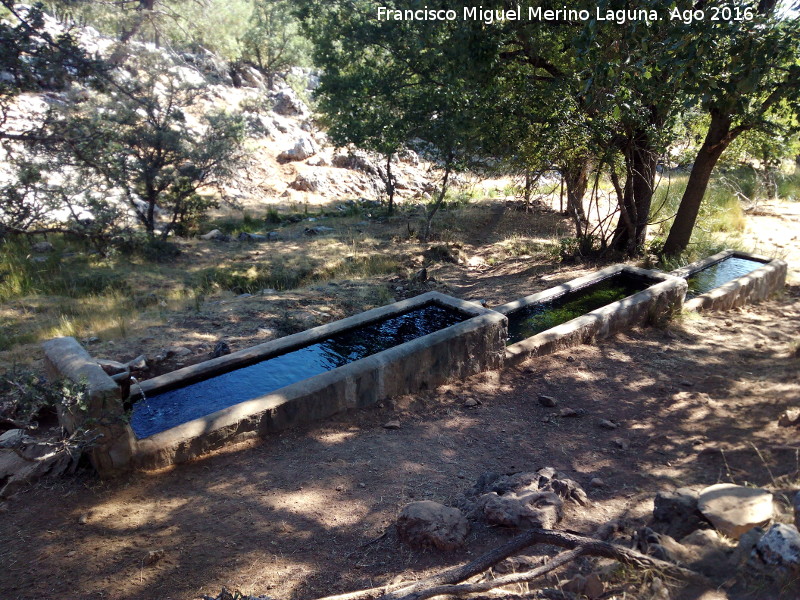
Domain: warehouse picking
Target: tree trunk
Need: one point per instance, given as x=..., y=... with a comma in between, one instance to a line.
x=718, y=138
x=448, y=164
x=528, y=187
x=390, y=182
x=640, y=161
x=576, y=176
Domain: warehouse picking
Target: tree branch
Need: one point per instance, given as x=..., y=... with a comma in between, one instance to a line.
x=584, y=546
x=471, y=588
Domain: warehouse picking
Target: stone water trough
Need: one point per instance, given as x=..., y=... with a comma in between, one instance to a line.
x=730, y=279
x=623, y=296
x=470, y=340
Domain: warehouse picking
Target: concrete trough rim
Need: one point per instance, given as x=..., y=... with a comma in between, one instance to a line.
x=253, y=354
x=709, y=261
x=645, y=296
x=698, y=303
x=233, y=414
x=578, y=283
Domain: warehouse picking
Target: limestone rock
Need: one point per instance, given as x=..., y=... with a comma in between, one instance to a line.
x=178, y=351
x=790, y=417
x=318, y=230
x=569, y=489
x=547, y=401
x=221, y=348
x=138, y=364
x=661, y=546
x=780, y=547
x=13, y=438
x=285, y=102
x=525, y=511
x=252, y=237
x=528, y=499
x=302, y=149
x=747, y=544
x=428, y=523
x=706, y=551
x=308, y=182
x=621, y=443
x=391, y=425
x=356, y=161
x=318, y=161
x=215, y=235
x=734, y=509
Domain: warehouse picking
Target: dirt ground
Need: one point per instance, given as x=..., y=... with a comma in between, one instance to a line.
x=303, y=514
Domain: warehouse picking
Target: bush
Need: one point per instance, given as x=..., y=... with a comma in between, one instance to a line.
x=25, y=396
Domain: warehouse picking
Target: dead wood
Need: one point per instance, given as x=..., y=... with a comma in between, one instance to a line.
x=483, y=586
x=584, y=546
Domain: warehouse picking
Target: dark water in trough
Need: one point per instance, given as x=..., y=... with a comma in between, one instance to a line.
x=533, y=319
x=168, y=409
x=719, y=274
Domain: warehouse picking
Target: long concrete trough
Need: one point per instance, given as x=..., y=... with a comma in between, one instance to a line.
x=752, y=287
x=662, y=298
x=468, y=339
x=471, y=346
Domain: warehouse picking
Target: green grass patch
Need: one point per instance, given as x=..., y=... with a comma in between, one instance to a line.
x=290, y=272
x=721, y=210
x=24, y=274
x=518, y=245
x=789, y=186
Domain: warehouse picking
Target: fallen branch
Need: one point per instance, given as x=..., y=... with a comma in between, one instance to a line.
x=483, y=586
x=586, y=546
x=450, y=576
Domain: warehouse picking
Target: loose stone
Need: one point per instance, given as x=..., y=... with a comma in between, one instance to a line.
x=735, y=509
x=790, y=417
x=548, y=401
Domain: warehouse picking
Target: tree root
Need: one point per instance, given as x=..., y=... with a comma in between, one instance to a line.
x=445, y=582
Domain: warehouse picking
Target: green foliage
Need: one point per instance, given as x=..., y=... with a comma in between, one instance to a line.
x=136, y=141
x=33, y=60
x=218, y=26
x=789, y=186
x=24, y=395
x=272, y=41
x=721, y=211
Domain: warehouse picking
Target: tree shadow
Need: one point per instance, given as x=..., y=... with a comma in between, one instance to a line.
x=302, y=514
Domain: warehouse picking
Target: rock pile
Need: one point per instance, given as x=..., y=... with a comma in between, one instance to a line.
x=721, y=529
x=521, y=501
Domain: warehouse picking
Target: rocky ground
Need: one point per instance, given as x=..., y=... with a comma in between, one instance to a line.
x=311, y=512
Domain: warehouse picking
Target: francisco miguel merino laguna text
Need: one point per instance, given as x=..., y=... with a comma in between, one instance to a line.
x=489, y=16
